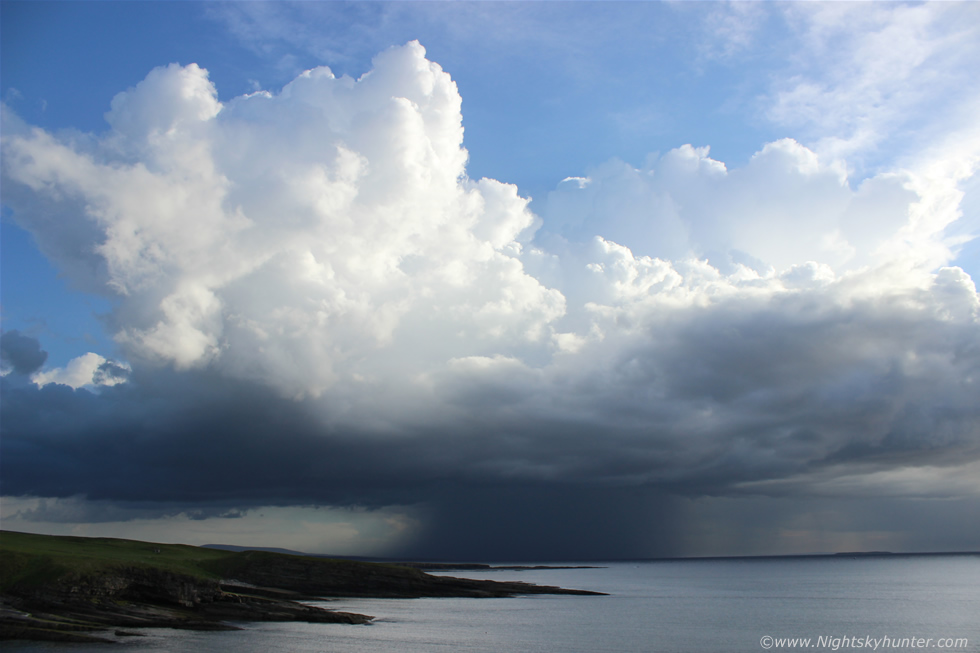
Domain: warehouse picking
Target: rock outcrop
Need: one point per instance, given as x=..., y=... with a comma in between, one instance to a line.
x=82, y=607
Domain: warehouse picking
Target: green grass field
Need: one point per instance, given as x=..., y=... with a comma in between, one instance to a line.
x=29, y=560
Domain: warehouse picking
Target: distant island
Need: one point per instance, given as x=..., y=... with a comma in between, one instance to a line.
x=76, y=589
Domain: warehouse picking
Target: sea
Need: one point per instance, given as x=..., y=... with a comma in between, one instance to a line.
x=832, y=603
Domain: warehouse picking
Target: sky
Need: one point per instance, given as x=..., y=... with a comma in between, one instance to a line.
x=493, y=281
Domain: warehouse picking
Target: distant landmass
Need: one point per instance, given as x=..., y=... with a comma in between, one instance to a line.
x=425, y=566
x=75, y=589
x=269, y=549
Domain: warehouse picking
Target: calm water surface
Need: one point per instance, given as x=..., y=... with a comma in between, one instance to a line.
x=666, y=606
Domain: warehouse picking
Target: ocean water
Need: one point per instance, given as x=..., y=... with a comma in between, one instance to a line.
x=717, y=606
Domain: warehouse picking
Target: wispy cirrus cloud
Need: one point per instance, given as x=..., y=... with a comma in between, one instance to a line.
x=878, y=78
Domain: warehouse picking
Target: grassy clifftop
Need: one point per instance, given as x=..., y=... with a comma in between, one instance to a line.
x=29, y=561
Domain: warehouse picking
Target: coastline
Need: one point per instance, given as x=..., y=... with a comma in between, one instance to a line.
x=71, y=589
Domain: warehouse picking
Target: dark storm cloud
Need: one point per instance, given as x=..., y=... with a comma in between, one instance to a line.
x=110, y=373
x=551, y=522
x=205, y=449
x=93, y=512
x=22, y=354
x=735, y=402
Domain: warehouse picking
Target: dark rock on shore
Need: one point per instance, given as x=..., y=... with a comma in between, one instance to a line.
x=80, y=609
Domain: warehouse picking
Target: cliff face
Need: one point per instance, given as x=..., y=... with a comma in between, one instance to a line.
x=80, y=607
x=132, y=584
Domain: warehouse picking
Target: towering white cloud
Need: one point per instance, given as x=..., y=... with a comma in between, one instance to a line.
x=290, y=237
x=786, y=207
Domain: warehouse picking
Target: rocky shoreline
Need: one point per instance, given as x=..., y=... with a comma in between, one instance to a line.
x=46, y=600
x=84, y=609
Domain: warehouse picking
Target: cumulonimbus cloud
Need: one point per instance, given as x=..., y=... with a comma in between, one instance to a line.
x=306, y=227
x=679, y=325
